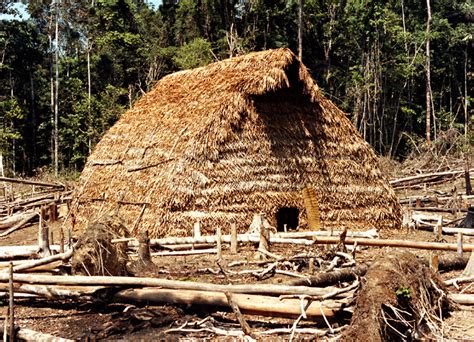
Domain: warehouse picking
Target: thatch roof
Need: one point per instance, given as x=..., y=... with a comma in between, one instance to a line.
x=223, y=142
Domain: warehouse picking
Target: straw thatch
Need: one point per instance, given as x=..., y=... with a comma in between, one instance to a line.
x=220, y=143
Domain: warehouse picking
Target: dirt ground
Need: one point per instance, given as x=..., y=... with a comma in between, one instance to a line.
x=86, y=320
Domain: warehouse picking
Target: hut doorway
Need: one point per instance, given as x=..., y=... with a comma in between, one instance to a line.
x=288, y=216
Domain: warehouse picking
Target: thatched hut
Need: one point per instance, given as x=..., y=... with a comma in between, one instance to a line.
x=220, y=143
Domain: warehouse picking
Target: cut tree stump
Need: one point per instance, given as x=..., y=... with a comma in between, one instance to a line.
x=469, y=270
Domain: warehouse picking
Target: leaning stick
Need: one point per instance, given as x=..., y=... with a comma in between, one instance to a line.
x=11, y=312
x=268, y=289
x=235, y=308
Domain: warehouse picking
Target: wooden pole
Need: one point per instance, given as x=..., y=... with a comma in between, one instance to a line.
x=11, y=307
x=197, y=230
x=460, y=243
x=438, y=231
x=43, y=236
x=311, y=265
x=61, y=240
x=264, y=243
x=5, y=328
x=219, y=243
x=53, y=212
x=233, y=239
x=144, y=254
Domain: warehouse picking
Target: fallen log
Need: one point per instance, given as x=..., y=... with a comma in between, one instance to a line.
x=12, y=220
x=348, y=274
x=425, y=178
x=12, y=252
x=189, y=252
x=255, y=238
x=432, y=199
x=395, y=243
x=29, y=335
x=19, y=225
x=462, y=298
x=459, y=280
x=36, y=201
x=441, y=210
x=448, y=230
x=49, y=259
x=248, y=304
x=29, y=182
x=53, y=267
x=268, y=289
x=54, y=291
x=324, y=279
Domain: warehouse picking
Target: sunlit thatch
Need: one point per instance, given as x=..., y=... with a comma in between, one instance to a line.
x=220, y=143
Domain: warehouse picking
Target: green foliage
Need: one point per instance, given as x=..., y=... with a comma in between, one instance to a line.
x=195, y=54
x=10, y=115
x=367, y=56
x=403, y=293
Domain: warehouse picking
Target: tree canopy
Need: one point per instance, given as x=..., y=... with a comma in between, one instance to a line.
x=71, y=68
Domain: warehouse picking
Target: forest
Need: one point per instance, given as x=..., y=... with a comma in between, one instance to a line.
x=401, y=69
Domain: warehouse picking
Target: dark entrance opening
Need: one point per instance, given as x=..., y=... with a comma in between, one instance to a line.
x=288, y=216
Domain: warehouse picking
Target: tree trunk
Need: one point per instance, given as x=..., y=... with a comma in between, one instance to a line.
x=428, y=75
x=89, y=138
x=33, y=119
x=56, y=94
x=300, y=29
x=466, y=102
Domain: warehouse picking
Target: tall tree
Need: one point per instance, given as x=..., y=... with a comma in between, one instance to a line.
x=429, y=110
